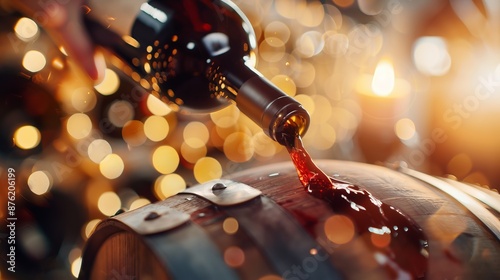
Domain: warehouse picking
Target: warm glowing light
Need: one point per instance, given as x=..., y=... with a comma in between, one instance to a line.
x=139, y=203
x=279, y=30
x=63, y=50
x=264, y=145
x=27, y=137
x=76, y=265
x=112, y=166
x=234, y=256
x=285, y=83
x=238, y=147
x=131, y=41
x=26, y=29
x=310, y=43
x=165, y=159
x=431, y=56
x=383, y=79
x=109, y=84
x=39, y=182
x=83, y=99
x=156, y=128
x=207, y=169
x=196, y=130
x=156, y=106
x=286, y=10
x=169, y=185
x=313, y=15
x=230, y=225
x=305, y=74
x=324, y=138
x=226, y=117
x=307, y=102
x=90, y=226
x=120, y=112
x=193, y=149
x=272, y=50
x=79, y=125
x=405, y=129
x=336, y=44
x=34, y=61
x=339, y=229
x=133, y=133
x=98, y=150
x=109, y=203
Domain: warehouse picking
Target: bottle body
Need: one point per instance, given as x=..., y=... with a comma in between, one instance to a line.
x=195, y=55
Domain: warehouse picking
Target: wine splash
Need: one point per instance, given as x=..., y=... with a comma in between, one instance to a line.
x=405, y=243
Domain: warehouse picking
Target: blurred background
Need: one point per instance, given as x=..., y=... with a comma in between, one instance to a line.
x=384, y=82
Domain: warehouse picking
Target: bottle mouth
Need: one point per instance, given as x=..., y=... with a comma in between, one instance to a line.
x=271, y=108
x=285, y=112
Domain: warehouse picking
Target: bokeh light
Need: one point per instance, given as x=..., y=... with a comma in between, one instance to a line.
x=79, y=125
x=40, y=182
x=139, y=203
x=156, y=128
x=109, y=203
x=234, y=256
x=112, y=166
x=165, y=159
x=207, y=169
x=285, y=83
x=27, y=137
x=405, y=129
x=120, y=112
x=264, y=146
x=83, y=99
x=279, y=30
x=34, y=61
x=156, y=106
x=98, y=150
x=133, y=133
x=196, y=130
x=26, y=29
x=76, y=265
x=230, y=225
x=339, y=229
x=226, y=117
x=168, y=185
x=109, y=84
x=193, y=149
x=90, y=227
x=431, y=57
x=239, y=147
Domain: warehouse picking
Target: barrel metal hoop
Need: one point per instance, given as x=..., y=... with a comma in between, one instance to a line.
x=153, y=218
x=474, y=206
x=188, y=253
x=283, y=240
x=224, y=192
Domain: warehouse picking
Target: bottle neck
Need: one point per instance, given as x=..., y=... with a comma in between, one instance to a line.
x=261, y=101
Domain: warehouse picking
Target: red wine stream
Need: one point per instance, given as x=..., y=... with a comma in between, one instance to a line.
x=407, y=248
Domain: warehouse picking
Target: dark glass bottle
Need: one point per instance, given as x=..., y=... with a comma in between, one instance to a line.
x=195, y=56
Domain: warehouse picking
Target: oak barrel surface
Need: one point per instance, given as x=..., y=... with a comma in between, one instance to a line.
x=276, y=230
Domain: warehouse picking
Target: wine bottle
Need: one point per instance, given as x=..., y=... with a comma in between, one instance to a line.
x=195, y=55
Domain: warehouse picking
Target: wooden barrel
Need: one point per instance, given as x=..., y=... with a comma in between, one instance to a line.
x=261, y=224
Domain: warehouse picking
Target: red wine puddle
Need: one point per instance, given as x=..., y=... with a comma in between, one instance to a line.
x=405, y=253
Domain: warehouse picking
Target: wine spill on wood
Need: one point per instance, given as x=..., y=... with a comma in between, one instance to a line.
x=405, y=243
